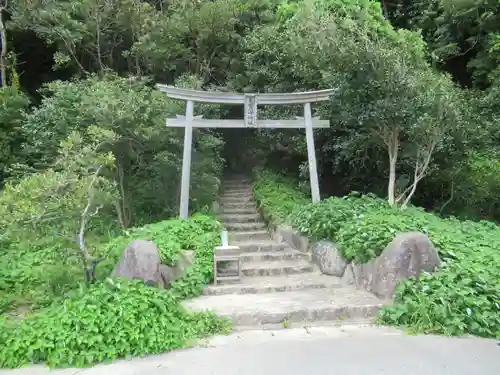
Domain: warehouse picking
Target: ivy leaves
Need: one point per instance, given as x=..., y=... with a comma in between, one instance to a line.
x=110, y=320
x=463, y=297
x=114, y=318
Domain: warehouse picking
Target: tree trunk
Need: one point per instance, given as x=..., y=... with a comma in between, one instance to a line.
x=392, y=148
x=3, y=52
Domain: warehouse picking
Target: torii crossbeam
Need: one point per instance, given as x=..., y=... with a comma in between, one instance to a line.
x=250, y=102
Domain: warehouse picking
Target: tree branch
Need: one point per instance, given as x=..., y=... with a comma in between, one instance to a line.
x=420, y=170
x=85, y=217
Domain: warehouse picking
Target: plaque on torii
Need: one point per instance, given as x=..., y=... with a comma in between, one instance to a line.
x=250, y=110
x=250, y=120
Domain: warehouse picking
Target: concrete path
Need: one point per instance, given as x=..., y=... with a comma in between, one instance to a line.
x=349, y=350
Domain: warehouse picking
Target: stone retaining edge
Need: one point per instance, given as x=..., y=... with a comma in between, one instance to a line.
x=358, y=275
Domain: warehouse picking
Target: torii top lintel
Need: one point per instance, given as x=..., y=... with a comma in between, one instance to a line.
x=237, y=98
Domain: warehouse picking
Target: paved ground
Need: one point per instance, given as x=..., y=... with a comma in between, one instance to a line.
x=318, y=350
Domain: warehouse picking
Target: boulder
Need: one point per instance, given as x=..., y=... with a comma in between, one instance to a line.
x=407, y=255
x=348, y=276
x=326, y=255
x=167, y=275
x=363, y=274
x=140, y=260
x=293, y=238
x=172, y=273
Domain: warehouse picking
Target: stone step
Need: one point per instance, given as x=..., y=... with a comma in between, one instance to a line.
x=284, y=267
x=245, y=197
x=273, y=256
x=242, y=210
x=238, y=191
x=237, y=178
x=236, y=199
x=255, y=235
x=236, y=188
x=274, y=284
x=238, y=205
x=244, y=227
x=243, y=218
x=299, y=307
x=258, y=246
x=237, y=184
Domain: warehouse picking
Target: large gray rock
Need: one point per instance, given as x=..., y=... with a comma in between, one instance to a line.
x=364, y=274
x=294, y=239
x=326, y=255
x=407, y=255
x=140, y=260
x=348, y=277
x=172, y=273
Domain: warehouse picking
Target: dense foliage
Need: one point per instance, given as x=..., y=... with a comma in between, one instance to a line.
x=462, y=34
x=147, y=156
x=276, y=195
x=200, y=233
x=111, y=318
x=461, y=298
x=87, y=164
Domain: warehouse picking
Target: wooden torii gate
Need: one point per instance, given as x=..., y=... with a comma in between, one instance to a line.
x=250, y=102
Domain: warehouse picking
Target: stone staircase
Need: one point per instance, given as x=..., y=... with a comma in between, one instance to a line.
x=280, y=286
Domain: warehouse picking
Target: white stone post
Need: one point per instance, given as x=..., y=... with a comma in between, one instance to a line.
x=186, y=161
x=311, y=153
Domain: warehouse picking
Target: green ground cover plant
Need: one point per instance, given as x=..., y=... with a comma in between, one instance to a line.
x=463, y=297
x=200, y=233
x=108, y=320
x=114, y=318
x=277, y=195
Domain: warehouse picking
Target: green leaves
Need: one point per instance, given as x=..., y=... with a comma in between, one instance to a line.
x=461, y=298
x=277, y=196
x=110, y=320
x=13, y=105
x=142, y=157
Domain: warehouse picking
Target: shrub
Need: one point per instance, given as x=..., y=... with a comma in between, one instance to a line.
x=13, y=105
x=461, y=298
x=477, y=187
x=109, y=320
x=200, y=233
x=324, y=220
x=41, y=215
x=276, y=195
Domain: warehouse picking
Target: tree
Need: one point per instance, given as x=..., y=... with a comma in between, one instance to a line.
x=386, y=89
x=460, y=33
x=13, y=106
x=148, y=156
x=54, y=207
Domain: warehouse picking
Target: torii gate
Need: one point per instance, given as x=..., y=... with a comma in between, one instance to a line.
x=250, y=102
